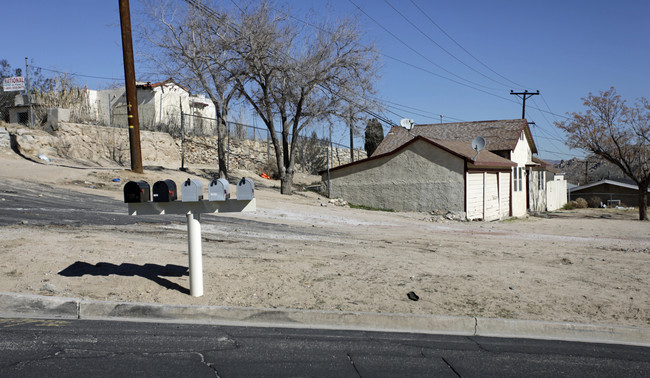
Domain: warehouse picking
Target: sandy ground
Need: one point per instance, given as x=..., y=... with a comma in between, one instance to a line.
x=299, y=251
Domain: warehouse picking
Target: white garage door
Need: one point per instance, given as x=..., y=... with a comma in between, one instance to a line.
x=483, y=196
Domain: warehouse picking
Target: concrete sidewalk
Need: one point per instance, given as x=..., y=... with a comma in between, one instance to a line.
x=35, y=306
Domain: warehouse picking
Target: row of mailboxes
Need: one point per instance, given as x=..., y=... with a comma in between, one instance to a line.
x=191, y=191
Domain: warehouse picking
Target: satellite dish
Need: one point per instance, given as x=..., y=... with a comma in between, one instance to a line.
x=478, y=144
x=406, y=123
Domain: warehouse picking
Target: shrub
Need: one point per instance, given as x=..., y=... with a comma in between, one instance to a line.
x=569, y=205
x=581, y=203
x=594, y=201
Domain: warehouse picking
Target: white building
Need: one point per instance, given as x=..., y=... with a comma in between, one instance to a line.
x=159, y=107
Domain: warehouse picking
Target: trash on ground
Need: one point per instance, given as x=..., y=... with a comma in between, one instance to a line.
x=412, y=296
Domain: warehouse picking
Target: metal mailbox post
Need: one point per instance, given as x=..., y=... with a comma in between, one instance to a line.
x=193, y=211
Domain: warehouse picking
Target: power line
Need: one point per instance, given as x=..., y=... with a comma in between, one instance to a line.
x=219, y=18
x=77, y=74
x=414, y=50
x=452, y=80
x=421, y=112
x=549, y=122
x=375, y=100
x=464, y=49
x=442, y=48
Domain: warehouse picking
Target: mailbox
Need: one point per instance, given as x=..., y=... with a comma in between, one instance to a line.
x=219, y=190
x=192, y=191
x=136, y=191
x=164, y=191
x=245, y=189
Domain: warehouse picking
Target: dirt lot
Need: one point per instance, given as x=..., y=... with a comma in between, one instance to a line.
x=590, y=266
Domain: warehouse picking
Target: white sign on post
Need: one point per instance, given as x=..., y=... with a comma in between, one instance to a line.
x=13, y=84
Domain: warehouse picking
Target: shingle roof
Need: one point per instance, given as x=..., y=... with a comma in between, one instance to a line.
x=464, y=149
x=499, y=135
x=485, y=159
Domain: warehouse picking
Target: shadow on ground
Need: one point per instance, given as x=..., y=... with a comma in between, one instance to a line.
x=153, y=272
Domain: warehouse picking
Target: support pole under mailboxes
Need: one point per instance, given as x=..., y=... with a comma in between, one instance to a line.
x=195, y=254
x=193, y=211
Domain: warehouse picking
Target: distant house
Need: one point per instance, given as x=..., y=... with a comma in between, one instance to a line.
x=159, y=107
x=547, y=189
x=609, y=192
x=495, y=185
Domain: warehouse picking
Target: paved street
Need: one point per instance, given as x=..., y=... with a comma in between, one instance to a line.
x=30, y=347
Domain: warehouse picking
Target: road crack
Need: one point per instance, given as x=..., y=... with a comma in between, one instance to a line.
x=451, y=367
x=208, y=364
x=353, y=365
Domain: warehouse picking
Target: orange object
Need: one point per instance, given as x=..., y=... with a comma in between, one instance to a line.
x=264, y=175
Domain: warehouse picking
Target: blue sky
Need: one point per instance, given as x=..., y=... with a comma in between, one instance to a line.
x=565, y=49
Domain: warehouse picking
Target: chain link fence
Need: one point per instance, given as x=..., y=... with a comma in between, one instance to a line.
x=251, y=147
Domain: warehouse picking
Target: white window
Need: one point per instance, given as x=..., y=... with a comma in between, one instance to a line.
x=519, y=181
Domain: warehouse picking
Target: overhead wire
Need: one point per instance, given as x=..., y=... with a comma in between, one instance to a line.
x=379, y=101
x=464, y=49
x=408, y=20
x=415, y=50
x=395, y=105
x=77, y=74
x=367, y=111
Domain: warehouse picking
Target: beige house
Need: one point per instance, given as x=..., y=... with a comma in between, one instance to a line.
x=442, y=172
x=426, y=175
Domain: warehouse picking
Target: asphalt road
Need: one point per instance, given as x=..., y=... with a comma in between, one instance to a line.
x=42, y=205
x=30, y=347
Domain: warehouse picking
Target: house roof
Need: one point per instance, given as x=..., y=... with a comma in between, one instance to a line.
x=499, y=135
x=463, y=150
x=148, y=84
x=603, y=182
x=545, y=165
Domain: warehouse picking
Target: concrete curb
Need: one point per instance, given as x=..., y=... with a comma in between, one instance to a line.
x=12, y=304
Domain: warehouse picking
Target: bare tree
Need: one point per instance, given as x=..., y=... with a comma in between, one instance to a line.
x=296, y=76
x=617, y=132
x=190, y=44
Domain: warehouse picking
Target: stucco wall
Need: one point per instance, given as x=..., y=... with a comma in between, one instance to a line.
x=420, y=177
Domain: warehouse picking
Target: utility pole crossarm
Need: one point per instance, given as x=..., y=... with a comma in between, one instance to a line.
x=524, y=95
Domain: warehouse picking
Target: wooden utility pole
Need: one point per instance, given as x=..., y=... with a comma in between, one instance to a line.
x=131, y=96
x=524, y=95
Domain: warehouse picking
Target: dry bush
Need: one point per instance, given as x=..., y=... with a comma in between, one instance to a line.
x=594, y=201
x=581, y=203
